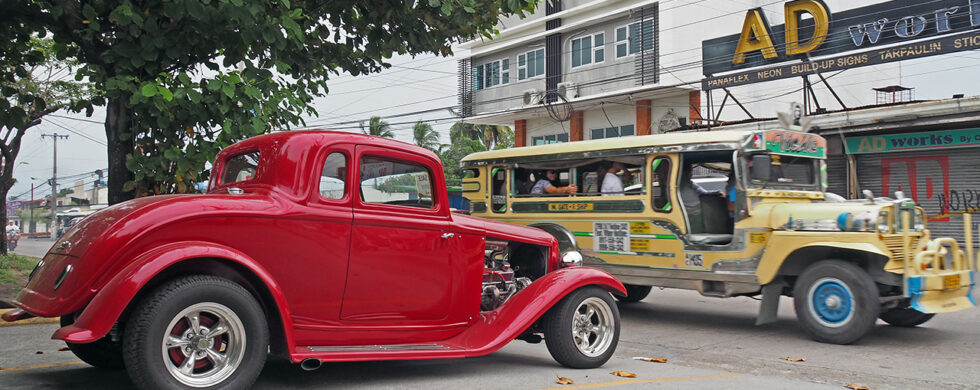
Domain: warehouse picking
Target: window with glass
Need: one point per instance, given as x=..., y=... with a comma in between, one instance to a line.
x=530, y=64
x=241, y=167
x=777, y=170
x=391, y=182
x=614, y=132
x=660, y=184
x=634, y=38
x=588, y=50
x=333, y=178
x=491, y=74
x=549, y=139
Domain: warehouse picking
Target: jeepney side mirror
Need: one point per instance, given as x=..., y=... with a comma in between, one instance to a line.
x=760, y=171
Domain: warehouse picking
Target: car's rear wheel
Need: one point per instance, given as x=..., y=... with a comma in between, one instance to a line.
x=836, y=302
x=103, y=353
x=199, y=332
x=634, y=293
x=905, y=317
x=582, y=330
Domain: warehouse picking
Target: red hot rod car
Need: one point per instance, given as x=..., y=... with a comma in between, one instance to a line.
x=316, y=246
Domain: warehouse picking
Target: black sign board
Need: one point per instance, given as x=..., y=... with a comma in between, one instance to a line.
x=943, y=45
x=876, y=25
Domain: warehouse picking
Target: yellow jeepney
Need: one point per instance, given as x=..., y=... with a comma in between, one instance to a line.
x=731, y=213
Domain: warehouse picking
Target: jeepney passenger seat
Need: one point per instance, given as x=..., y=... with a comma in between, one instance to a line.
x=692, y=203
x=704, y=225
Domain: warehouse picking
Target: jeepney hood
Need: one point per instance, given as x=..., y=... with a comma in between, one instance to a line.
x=828, y=215
x=100, y=245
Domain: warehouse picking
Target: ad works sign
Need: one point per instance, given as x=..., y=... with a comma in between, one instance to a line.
x=948, y=139
x=812, y=30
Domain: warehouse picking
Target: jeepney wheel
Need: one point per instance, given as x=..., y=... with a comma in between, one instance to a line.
x=836, y=302
x=196, y=331
x=102, y=353
x=905, y=317
x=634, y=293
x=582, y=330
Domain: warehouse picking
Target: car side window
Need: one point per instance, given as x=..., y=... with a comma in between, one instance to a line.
x=333, y=178
x=240, y=168
x=660, y=181
x=391, y=182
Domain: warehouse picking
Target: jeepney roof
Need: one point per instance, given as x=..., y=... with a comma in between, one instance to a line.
x=637, y=142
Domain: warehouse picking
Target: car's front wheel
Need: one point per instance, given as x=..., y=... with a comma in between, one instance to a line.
x=582, y=330
x=634, y=293
x=905, y=317
x=196, y=332
x=836, y=302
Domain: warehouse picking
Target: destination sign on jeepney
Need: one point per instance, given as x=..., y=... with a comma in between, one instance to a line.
x=790, y=143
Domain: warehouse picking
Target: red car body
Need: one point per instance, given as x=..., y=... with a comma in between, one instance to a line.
x=328, y=272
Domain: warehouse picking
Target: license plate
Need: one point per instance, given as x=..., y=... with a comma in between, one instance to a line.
x=951, y=282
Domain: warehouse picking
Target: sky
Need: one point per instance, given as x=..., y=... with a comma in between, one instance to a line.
x=430, y=83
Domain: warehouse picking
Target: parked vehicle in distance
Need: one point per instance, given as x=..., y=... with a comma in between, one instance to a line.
x=316, y=246
x=733, y=213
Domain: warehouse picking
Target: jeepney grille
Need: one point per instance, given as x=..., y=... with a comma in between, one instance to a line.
x=894, y=244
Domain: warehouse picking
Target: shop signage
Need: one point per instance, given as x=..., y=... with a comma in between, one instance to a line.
x=948, y=139
x=811, y=30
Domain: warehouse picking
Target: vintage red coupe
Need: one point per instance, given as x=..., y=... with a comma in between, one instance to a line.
x=317, y=246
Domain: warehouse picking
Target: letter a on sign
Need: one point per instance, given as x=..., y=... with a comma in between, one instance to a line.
x=755, y=37
x=821, y=25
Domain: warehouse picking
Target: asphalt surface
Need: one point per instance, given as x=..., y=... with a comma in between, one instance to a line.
x=708, y=343
x=36, y=247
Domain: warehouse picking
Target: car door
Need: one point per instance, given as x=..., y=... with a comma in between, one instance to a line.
x=399, y=268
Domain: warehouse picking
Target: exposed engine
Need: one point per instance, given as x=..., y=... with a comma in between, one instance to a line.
x=499, y=281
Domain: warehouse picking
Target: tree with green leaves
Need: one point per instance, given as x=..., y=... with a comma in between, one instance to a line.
x=182, y=78
x=377, y=128
x=462, y=144
x=34, y=83
x=425, y=136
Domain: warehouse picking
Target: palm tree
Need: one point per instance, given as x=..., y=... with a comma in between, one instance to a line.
x=425, y=136
x=378, y=128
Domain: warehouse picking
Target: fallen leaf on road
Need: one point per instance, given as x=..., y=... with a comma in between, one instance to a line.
x=62, y=349
x=854, y=386
x=564, y=381
x=655, y=360
x=39, y=353
x=794, y=359
x=624, y=374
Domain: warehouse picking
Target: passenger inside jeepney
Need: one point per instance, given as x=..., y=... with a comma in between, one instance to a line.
x=547, y=184
x=705, y=191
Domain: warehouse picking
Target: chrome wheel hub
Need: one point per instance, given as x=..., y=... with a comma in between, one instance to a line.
x=204, y=344
x=593, y=327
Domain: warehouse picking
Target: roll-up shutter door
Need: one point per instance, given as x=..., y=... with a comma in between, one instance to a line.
x=946, y=183
x=837, y=174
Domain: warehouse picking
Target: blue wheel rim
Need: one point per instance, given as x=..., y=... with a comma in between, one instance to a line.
x=831, y=302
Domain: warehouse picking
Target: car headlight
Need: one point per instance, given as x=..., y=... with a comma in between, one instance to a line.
x=919, y=222
x=883, y=225
x=571, y=259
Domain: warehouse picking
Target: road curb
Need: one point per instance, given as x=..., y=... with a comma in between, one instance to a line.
x=29, y=321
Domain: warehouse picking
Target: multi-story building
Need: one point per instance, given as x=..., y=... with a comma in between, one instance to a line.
x=586, y=69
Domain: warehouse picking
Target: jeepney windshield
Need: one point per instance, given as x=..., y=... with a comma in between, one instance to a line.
x=773, y=170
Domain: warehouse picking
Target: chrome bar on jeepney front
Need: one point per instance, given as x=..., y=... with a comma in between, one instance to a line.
x=906, y=253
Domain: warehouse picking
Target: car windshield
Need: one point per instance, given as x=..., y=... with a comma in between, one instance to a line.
x=777, y=170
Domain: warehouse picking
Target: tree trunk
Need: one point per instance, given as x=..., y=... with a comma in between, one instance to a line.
x=117, y=122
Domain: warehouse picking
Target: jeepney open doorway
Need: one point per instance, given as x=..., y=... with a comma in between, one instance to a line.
x=705, y=190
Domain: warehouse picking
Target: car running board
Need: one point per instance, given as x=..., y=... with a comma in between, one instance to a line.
x=377, y=348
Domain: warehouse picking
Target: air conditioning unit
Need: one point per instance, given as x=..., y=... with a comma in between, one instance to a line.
x=568, y=90
x=532, y=97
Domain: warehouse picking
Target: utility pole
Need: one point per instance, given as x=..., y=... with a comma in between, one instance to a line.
x=54, y=182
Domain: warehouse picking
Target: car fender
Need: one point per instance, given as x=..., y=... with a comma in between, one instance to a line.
x=780, y=248
x=496, y=328
x=98, y=317
x=566, y=239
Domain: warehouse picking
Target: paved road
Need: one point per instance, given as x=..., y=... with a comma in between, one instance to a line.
x=709, y=343
x=36, y=247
